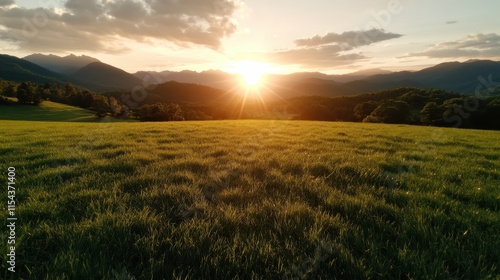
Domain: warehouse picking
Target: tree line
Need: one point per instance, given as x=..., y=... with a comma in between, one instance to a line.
x=28, y=93
x=395, y=106
x=404, y=106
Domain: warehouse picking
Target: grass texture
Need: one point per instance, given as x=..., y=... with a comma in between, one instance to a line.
x=252, y=200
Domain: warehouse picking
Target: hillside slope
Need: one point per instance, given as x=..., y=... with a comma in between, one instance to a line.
x=47, y=111
x=20, y=70
x=107, y=76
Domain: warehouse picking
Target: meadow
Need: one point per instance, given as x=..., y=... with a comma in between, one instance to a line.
x=252, y=200
x=49, y=111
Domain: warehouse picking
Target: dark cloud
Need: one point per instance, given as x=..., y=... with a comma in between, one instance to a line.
x=451, y=22
x=472, y=46
x=353, y=38
x=98, y=25
x=127, y=10
x=6, y=2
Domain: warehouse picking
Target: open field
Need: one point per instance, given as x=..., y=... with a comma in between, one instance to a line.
x=48, y=111
x=252, y=199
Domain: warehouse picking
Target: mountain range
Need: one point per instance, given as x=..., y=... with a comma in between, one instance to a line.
x=63, y=65
x=85, y=71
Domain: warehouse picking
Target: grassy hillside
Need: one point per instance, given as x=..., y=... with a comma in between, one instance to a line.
x=48, y=111
x=252, y=199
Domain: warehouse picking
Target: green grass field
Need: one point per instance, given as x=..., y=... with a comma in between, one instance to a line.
x=50, y=112
x=252, y=200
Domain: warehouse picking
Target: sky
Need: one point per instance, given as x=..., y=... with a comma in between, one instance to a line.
x=329, y=36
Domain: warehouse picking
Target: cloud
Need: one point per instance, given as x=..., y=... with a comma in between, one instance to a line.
x=451, y=22
x=318, y=57
x=353, y=38
x=6, y=2
x=472, y=46
x=330, y=50
x=99, y=25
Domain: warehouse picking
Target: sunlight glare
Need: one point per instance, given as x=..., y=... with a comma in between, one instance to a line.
x=251, y=71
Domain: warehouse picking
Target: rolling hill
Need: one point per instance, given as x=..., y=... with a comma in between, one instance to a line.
x=182, y=93
x=212, y=78
x=106, y=75
x=47, y=111
x=20, y=70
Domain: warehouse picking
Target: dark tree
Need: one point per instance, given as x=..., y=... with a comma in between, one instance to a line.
x=160, y=112
x=491, y=115
x=432, y=114
x=390, y=111
x=316, y=111
x=69, y=89
x=174, y=112
x=101, y=106
x=10, y=90
x=26, y=93
x=363, y=110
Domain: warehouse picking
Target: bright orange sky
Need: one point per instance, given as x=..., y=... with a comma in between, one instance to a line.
x=329, y=36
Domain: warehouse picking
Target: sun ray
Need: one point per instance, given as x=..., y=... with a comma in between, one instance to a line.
x=251, y=72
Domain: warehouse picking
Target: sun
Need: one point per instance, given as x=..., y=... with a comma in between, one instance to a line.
x=251, y=72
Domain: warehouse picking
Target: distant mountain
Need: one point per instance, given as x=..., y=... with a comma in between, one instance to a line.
x=359, y=75
x=20, y=70
x=106, y=75
x=463, y=77
x=212, y=78
x=227, y=81
x=65, y=65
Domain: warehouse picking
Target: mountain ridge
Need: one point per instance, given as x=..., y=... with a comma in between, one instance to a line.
x=462, y=77
x=107, y=76
x=66, y=65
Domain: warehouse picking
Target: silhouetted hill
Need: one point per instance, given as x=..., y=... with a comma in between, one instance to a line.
x=307, y=87
x=212, y=78
x=358, y=75
x=227, y=81
x=19, y=70
x=182, y=93
x=107, y=76
x=64, y=65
